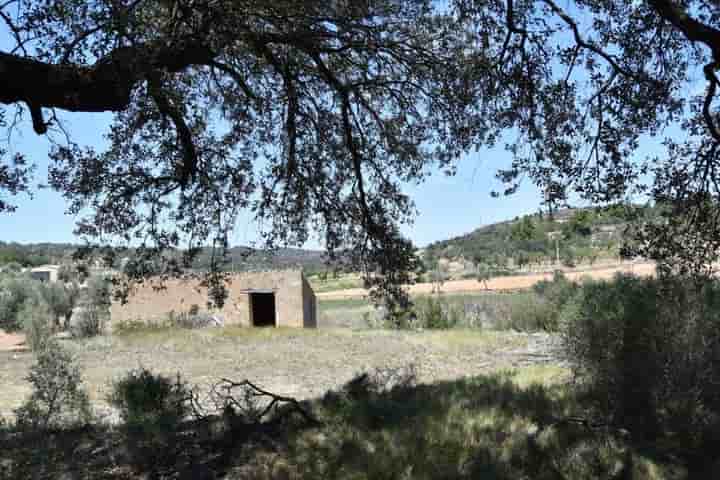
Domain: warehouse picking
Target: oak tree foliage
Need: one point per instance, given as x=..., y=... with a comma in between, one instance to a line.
x=312, y=114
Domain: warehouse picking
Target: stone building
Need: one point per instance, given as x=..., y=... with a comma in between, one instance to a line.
x=45, y=273
x=261, y=299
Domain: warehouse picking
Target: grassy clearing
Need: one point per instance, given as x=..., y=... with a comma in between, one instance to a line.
x=491, y=427
x=330, y=284
x=500, y=310
x=300, y=362
x=488, y=341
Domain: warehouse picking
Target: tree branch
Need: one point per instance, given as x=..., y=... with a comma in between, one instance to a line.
x=585, y=44
x=185, y=137
x=105, y=86
x=694, y=30
x=712, y=79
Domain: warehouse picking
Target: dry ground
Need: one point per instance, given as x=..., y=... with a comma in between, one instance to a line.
x=515, y=282
x=300, y=363
x=11, y=341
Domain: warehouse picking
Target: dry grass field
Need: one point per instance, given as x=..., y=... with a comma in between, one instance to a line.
x=507, y=283
x=481, y=407
x=300, y=363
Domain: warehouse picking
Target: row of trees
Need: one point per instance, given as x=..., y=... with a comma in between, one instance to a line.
x=33, y=255
x=40, y=308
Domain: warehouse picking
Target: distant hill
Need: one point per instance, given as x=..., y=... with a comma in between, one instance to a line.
x=240, y=258
x=35, y=254
x=248, y=259
x=573, y=235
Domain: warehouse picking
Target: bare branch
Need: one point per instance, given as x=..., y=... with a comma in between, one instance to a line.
x=190, y=156
x=586, y=44
x=712, y=79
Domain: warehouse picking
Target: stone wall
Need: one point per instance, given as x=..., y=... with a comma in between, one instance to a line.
x=309, y=305
x=294, y=300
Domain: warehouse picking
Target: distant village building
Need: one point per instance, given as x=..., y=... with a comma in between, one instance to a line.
x=45, y=273
x=259, y=299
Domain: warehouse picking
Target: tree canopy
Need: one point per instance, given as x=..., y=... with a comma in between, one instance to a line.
x=314, y=113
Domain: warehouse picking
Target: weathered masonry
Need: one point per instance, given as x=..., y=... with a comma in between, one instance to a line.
x=261, y=299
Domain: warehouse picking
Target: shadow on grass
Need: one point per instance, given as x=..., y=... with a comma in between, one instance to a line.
x=486, y=427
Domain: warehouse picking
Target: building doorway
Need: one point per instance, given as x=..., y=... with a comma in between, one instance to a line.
x=262, y=309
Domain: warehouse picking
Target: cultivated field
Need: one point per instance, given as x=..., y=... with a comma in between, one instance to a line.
x=508, y=283
x=300, y=363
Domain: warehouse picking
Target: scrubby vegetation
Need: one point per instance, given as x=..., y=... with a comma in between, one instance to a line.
x=150, y=401
x=644, y=355
x=539, y=309
x=647, y=350
x=41, y=309
x=58, y=400
x=381, y=424
x=575, y=236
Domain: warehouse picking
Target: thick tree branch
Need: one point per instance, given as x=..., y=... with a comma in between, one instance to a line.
x=185, y=137
x=237, y=77
x=105, y=86
x=712, y=79
x=693, y=29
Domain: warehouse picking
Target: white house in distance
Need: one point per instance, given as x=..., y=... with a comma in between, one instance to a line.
x=45, y=273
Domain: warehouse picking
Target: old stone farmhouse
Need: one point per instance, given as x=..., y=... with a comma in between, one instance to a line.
x=261, y=299
x=45, y=273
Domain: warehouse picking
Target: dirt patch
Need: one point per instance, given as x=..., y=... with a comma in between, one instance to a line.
x=515, y=282
x=12, y=342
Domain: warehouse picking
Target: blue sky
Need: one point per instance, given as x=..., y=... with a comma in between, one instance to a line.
x=447, y=206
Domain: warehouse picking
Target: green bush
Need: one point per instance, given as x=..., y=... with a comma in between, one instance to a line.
x=649, y=352
x=193, y=318
x=98, y=292
x=90, y=321
x=14, y=292
x=94, y=308
x=58, y=399
x=150, y=401
x=554, y=295
x=36, y=320
x=530, y=313
x=60, y=299
x=129, y=327
x=432, y=314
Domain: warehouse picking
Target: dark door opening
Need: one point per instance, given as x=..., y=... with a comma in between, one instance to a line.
x=262, y=309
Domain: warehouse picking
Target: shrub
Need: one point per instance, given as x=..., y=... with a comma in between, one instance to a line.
x=558, y=290
x=59, y=299
x=530, y=313
x=36, y=320
x=554, y=295
x=98, y=292
x=150, y=401
x=57, y=399
x=129, y=327
x=190, y=319
x=90, y=321
x=14, y=292
x=436, y=313
x=649, y=352
x=95, y=308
